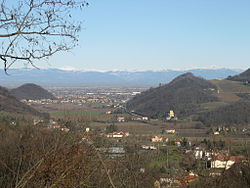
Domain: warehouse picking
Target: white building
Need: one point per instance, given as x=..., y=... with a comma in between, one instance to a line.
x=225, y=162
x=170, y=131
x=121, y=119
x=117, y=135
x=157, y=139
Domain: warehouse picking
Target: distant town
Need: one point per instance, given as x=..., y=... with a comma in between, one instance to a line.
x=86, y=95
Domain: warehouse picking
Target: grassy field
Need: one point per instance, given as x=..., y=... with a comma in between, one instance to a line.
x=228, y=89
x=75, y=112
x=155, y=128
x=213, y=105
x=97, y=118
x=133, y=127
x=231, y=86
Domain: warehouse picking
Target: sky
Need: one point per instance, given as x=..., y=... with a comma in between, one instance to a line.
x=160, y=34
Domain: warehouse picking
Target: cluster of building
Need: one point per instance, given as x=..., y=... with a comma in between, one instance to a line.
x=40, y=101
x=165, y=180
x=216, y=162
x=216, y=159
x=231, y=129
x=133, y=118
x=85, y=95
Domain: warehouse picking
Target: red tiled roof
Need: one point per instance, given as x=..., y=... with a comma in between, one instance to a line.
x=227, y=158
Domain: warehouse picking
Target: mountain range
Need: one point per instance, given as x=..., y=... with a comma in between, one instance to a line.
x=58, y=77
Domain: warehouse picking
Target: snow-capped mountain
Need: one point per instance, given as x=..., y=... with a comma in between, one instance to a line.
x=59, y=77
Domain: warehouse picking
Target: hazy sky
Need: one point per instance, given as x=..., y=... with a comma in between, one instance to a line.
x=161, y=34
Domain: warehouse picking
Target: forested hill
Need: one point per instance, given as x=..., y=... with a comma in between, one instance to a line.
x=9, y=103
x=183, y=95
x=31, y=91
x=237, y=113
x=243, y=77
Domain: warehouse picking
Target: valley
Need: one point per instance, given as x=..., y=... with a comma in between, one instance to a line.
x=189, y=118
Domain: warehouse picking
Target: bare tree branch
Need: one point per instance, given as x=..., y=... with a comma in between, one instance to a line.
x=33, y=30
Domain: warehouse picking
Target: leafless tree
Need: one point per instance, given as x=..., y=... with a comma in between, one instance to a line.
x=32, y=30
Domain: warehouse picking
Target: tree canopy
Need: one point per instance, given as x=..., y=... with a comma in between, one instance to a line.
x=33, y=30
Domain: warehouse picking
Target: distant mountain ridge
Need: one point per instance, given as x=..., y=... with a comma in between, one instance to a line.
x=183, y=95
x=57, y=77
x=31, y=91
